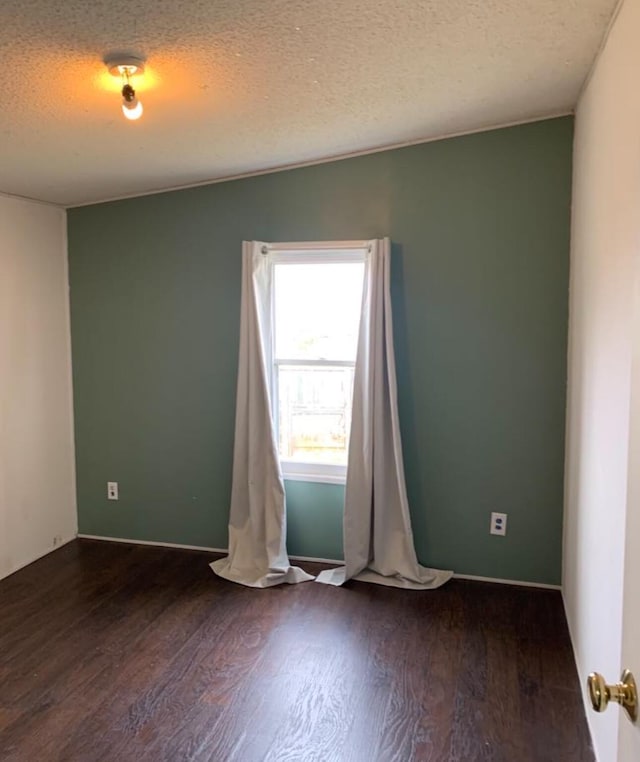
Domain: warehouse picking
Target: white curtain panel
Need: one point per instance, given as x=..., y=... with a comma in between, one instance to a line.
x=378, y=540
x=257, y=519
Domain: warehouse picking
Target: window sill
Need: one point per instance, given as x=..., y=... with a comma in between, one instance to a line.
x=323, y=473
x=318, y=478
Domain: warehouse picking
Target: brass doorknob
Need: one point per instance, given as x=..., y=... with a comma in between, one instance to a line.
x=624, y=693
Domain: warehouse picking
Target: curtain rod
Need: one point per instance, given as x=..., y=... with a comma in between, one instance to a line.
x=315, y=245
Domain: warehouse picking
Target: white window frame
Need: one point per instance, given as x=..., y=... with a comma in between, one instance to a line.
x=303, y=253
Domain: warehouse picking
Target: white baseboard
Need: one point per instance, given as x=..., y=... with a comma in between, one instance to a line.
x=499, y=581
x=314, y=560
x=311, y=559
x=128, y=541
x=205, y=548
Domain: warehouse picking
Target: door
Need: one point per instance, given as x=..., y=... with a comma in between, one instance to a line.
x=629, y=734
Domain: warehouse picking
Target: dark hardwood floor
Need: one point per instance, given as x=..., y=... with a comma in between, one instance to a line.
x=116, y=653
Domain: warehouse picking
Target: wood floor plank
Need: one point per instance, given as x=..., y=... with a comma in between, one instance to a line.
x=79, y=589
x=118, y=653
x=422, y=698
x=87, y=631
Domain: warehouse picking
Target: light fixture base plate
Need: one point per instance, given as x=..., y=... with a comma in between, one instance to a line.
x=119, y=65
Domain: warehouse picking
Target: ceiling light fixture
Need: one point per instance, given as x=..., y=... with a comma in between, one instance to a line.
x=125, y=67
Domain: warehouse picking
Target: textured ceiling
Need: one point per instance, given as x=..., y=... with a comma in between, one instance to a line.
x=235, y=86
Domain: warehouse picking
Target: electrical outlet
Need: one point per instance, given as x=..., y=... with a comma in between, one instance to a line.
x=112, y=490
x=498, y=524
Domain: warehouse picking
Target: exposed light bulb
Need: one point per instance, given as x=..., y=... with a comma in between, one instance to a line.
x=132, y=112
x=131, y=106
x=126, y=66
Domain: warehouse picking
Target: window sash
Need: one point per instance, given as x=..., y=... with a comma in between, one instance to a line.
x=342, y=252
x=307, y=470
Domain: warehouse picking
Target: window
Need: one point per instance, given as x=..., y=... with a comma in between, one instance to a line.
x=317, y=297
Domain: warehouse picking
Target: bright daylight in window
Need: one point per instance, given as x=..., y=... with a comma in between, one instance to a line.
x=317, y=301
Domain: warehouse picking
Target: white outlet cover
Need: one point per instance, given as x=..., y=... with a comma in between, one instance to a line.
x=498, y=524
x=112, y=490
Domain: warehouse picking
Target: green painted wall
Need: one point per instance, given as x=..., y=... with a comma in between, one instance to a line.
x=314, y=519
x=480, y=231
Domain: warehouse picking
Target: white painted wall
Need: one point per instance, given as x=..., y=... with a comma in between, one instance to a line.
x=37, y=482
x=605, y=228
